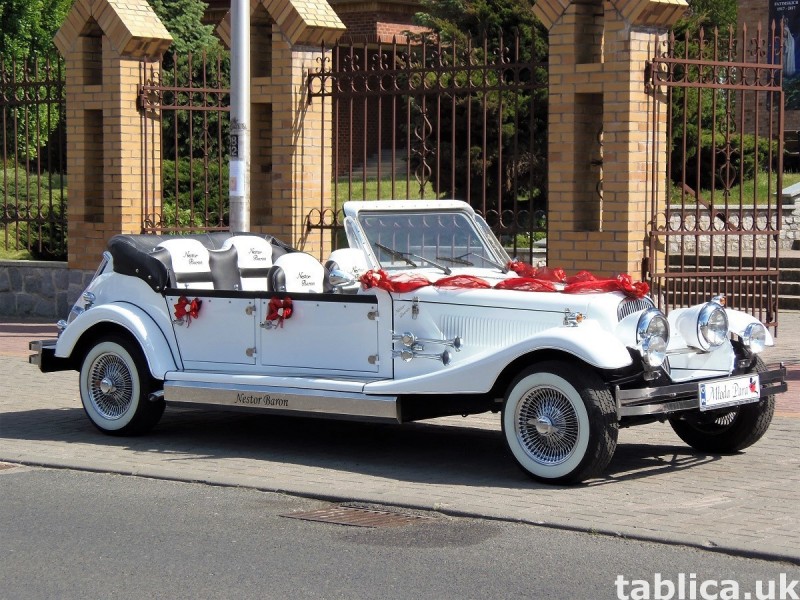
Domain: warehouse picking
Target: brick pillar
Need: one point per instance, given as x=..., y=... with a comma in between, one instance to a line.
x=290, y=143
x=103, y=43
x=301, y=147
x=601, y=130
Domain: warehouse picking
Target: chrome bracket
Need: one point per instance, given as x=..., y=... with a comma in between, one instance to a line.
x=572, y=319
x=409, y=340
x=408, y=354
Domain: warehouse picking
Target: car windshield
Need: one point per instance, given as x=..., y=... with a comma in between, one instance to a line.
x=443, y=240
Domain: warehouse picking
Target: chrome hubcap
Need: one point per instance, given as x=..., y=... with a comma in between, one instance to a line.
x=107, y=386
x=547, y=425
x=110, y=386
x=544, y=426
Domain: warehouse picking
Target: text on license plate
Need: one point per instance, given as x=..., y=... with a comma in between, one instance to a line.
x=729, y=392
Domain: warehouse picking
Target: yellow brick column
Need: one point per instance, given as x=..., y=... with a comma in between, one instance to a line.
x=291, y=141
x=104, y=43
x=601, y=129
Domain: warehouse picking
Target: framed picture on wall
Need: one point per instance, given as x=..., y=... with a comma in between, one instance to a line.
x=786, y=14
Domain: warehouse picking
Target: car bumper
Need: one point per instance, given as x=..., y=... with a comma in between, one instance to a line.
x=45, y=356
x=678, y=397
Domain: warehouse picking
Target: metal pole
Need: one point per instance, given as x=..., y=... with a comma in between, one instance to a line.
x=239, y=180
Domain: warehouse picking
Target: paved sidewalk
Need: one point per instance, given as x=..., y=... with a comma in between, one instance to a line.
x=656, y=488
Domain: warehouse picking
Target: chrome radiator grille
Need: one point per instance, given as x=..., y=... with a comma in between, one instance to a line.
x=632, y=305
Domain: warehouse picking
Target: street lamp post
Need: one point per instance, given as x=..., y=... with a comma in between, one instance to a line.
x=239, y=176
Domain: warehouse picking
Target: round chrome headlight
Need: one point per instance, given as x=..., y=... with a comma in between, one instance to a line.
x=712, y=324
x=755, y=337
x=653, y=350
x=652, y=323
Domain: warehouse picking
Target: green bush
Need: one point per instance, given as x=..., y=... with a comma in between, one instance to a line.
x=201, y=196
x=726, y=156
x=36, y=212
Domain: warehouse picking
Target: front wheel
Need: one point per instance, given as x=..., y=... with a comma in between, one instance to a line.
x=728, y=430
x=115, y=386
x=560, y=423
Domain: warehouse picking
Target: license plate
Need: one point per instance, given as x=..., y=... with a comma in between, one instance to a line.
x=729, y=392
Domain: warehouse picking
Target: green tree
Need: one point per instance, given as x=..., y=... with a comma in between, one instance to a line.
x=183, y=19
x=28, y=54
x=708, y=14
x=27, y=28
x=191, y=139
x=708, y=125
x=515, y=123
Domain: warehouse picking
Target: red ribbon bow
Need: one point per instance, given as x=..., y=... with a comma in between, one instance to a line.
x=279, y=309
x=186, y=310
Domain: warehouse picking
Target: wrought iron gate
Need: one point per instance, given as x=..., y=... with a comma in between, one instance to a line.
x=33, y=214
x=422, y=119
x=185, y=105
x=719, y=230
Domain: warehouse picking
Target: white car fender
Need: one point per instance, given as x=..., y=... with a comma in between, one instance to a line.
x=604, y=351
x=738, y=322
x=149, y=336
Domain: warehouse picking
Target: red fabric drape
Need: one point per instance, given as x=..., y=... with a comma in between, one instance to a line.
x=623, y=283
x=530, y=280
x=526, y=284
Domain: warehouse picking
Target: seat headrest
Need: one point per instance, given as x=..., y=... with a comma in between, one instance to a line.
x=298, y=272
x=189, y=262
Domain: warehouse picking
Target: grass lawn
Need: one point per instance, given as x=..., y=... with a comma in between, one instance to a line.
x=9, y=253
x=763, y=193
x=402, y=190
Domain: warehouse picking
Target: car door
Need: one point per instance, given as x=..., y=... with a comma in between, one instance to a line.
x=324, y=334
x=222, y=331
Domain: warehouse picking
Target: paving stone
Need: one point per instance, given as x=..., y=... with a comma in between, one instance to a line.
x=656, y=488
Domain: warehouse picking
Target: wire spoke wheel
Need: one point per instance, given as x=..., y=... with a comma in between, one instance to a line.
x=111, y=386
x=547, y=425
x=728, y=430
x=560, y=423
x=115, y=386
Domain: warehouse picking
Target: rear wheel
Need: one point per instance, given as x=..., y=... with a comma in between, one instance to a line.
x=560, y=423
x=728, y=430
x=115, y=387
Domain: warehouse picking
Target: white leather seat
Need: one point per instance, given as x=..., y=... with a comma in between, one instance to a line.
x=189, y=263
x=352, y=261
x=254, y=260
x=297, y=272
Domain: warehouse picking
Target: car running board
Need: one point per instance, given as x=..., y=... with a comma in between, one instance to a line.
x=285, y=400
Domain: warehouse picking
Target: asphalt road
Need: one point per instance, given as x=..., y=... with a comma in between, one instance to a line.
x=69, y=534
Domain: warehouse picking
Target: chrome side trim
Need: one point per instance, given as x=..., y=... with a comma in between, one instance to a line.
x=285, y=400
x=683, y=396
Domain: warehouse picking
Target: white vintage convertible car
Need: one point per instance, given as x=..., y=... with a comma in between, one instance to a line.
x=424, y=315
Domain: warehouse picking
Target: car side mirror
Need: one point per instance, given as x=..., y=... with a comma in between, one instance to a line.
x=340, y=279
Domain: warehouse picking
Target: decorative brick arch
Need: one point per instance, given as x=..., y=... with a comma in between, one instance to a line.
x=600, y=133
x=290, y=137
x=104, y=43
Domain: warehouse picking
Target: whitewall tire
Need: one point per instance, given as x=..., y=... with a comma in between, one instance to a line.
x=560, y=423
x=115, y=387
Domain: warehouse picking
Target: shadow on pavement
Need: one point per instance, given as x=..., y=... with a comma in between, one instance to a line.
x=416, y=452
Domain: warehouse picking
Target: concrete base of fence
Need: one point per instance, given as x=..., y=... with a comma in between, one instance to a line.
x=39, y=289
x=756, y=219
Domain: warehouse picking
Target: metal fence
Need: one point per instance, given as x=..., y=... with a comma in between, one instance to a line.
x=32, y=180
x=424, y=119
x=186, y=142
x=719, y=232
